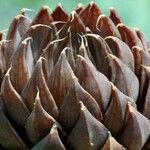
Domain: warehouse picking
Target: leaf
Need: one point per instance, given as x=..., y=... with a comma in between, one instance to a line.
x=91, y=12
x=88, y=133
x=39, y=122
x=51, y=141
x=60, y=79
x=94, y=82
x=22, y=65
x=121, y=50
x=15, y=106
x=46, y=97
x=122, y=77
x=43, y=17
x=9, y=138
x=136, y=126
x=70, y=109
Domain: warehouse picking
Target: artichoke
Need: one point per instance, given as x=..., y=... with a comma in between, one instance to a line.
x=76, y=82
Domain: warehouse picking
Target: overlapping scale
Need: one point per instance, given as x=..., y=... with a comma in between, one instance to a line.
x=106, y=27
x=43, y=17
x=121, y=50
x=70, y=109
x=114, y=117
x=99, y=49
x=129, y=36
x=136, y=130
x=42, y=33
x=112, y=144
x=74, y=82
x=46, y=97
x=60, y=79
x=17, y=29
x=90, y=136
x=15, y=106
x=60, y=16
x=144, y=101
x=21, y=67
x=94, y=82
x=39, y=123
x=9, y=138
x=91, y=12
x=122, y=77
x=114, y=16
x=141, y=57
x=51, y=141
x=74, y=26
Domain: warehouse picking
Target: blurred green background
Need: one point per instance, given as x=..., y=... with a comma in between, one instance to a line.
x=135, y=13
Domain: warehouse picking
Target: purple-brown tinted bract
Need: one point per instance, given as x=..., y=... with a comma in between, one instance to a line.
x=78, y=81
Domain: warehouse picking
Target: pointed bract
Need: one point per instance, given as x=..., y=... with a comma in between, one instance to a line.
x=51, y=141
x=114, y=16
x=21, y=68
x=9, y=138
x=43, y=17
x=114, y=117
x=60, y=79
x=88, y=133
x=46, y=97
x=136, y=126
x=89, y=16
x=94, y=82
x=15, y=106
x=112, y=144
x=106, y=27
x=122, y=77
x=129, y=36
x=39, y=122
x=121, y=50
x=70, y=109
x=41, y=35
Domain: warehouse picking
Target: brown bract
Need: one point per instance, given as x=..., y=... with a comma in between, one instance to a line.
x=17, y=29
x=8, y=136
x=39, y=122
x=59, y=16
x=70, y=109
x=115, y=115
x=79, y=8
x=78, y=81
x=99, y=49
x=94, y=82
x=75, y=26
x=89, y=16
x=112, y=144
x=129, y=36
x=43, y=17
x=122, y=77
x=15, y=106
x=39, y=32
x=136, y=126
x=106, y=27
x=143, y=100
x=121, y=50
x=114, y=16
x=90, y=136
x=22, y=65
x=47, y=100
x=60, y=79
x=51, y=141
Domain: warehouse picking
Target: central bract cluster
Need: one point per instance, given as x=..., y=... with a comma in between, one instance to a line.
x=76, y=82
